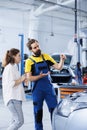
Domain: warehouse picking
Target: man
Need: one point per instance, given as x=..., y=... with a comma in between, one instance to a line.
x=37, y=69
x=78, y=73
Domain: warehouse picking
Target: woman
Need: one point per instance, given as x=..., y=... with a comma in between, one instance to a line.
x=13, y=93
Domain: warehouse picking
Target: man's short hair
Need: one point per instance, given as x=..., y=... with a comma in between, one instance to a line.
x=30, y=42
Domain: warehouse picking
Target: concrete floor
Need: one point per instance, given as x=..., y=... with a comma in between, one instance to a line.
x=28, y=115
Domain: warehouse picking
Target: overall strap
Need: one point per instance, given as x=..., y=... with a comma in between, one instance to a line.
x=35, y=83
x=43, y=57
x=35, y=61
x=45, y=61
x=47, y=65
x=32, y=59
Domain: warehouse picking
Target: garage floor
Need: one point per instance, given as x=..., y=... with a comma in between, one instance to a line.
x=28, y=115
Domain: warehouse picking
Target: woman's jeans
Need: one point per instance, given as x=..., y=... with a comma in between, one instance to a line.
x=15, y=108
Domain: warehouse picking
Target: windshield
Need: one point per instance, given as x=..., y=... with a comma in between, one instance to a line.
x=66, y=62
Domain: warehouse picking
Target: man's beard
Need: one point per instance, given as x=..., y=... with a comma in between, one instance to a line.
x=38, y=53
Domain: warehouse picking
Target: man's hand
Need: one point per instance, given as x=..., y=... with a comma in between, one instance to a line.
x=63, y=57
x=30, y=77
x=44, y=74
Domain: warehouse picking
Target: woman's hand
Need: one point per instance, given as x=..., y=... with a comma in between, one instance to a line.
x=23, y=77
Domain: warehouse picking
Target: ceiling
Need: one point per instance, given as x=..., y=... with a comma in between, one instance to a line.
x=47, y=6
x=27, y=5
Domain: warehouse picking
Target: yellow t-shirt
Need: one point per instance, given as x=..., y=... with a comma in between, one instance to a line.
x=29, y=64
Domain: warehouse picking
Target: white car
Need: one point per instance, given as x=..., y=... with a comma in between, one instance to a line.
x=66, y=75
x=71, y=113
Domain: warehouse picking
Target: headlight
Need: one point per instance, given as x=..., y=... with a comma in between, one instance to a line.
x=67, y=106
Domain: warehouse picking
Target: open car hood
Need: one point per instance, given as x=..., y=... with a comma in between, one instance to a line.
x=65, y=75
x=67, y=62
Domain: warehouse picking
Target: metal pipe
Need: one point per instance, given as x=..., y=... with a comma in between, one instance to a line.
x=63, y=4
x=75, y=37
x=22, y=53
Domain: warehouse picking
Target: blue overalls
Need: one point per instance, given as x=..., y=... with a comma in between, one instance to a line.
x=42, y=90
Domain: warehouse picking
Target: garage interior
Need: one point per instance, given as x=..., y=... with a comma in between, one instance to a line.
x=60, y=26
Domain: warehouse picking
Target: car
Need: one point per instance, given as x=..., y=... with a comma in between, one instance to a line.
x=66, y=75
x=71, y=113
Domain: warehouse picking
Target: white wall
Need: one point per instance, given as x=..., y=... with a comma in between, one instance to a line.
x=63, y=33
x=13, y=23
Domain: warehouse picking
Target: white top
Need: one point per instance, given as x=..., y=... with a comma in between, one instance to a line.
x=10, y=91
